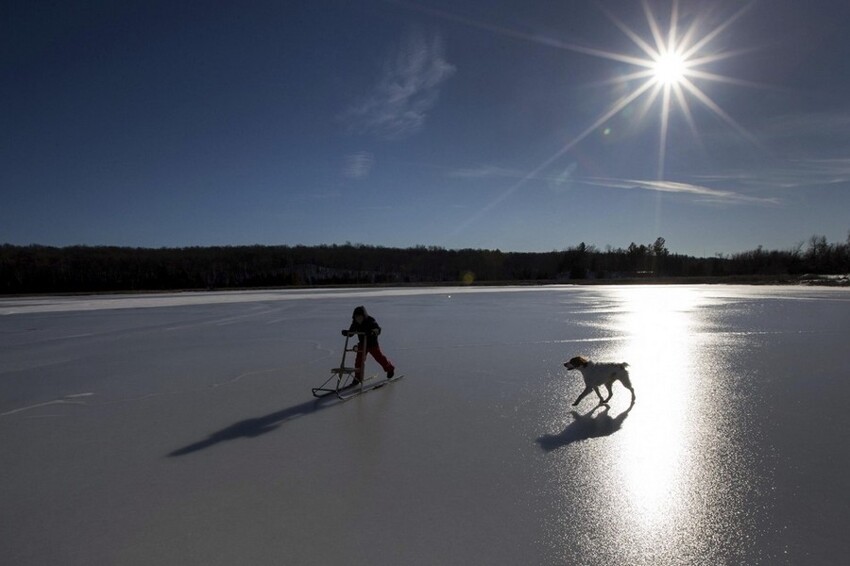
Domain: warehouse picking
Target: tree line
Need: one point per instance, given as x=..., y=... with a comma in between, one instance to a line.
x=46, y=269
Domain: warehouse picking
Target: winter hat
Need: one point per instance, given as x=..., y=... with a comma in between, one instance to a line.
x=361, y=310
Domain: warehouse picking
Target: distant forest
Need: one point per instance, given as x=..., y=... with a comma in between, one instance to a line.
x=44, y=269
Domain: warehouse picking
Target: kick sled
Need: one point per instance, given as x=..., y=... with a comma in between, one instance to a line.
x=342, y=383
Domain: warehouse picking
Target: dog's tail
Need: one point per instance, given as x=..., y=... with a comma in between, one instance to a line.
x=624, y=365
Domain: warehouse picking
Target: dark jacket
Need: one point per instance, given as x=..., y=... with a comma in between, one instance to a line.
x=368, y=326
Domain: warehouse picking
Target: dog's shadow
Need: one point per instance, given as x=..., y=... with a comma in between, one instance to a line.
x=585, y=427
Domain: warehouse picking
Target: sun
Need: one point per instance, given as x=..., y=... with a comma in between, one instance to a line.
x=670, y=65
x=670, y=69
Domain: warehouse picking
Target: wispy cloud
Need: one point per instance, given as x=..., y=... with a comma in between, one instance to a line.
x=830, y=171
x=485, y=172
x=706, y=194
x=823, y=129
x=555, y=181
x=496, y=172
x=358, y=165
x=790, y=174
x=806, y=150
x=407, y=90
x=802, y=151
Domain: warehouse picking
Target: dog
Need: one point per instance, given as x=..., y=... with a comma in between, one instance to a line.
x=600, y=374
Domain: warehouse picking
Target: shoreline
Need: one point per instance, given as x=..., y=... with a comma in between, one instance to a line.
x=806, y=280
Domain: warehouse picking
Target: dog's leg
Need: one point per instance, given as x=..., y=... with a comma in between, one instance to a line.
x=628, y=383
x=610, y=392
x=582, y=395
x=598, y=394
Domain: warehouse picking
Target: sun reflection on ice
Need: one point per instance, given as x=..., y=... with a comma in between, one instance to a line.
x=660, y=328
x=663, y=481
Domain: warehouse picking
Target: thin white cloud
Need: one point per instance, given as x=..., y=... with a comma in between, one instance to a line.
x=830, y=171
x=806, y=150
x=557, y=182
x=706, y=194
x=566, y=175
x=496, y=172
x=789, y=174
x=358, y=165
x=827, y=127
x=485, y=172
x=408, y=89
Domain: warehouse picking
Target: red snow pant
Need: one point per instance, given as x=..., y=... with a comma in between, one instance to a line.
x=376, y=353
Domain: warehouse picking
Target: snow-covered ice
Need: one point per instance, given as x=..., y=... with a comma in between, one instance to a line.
x=180, y=429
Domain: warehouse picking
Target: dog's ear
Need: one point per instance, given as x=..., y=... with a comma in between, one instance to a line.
x=581, y=360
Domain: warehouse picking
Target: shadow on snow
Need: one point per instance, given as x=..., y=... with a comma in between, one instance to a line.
x=585, y=427
x=250, y=428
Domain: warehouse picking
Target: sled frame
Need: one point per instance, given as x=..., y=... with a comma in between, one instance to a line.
x=345, y=387
x=344, y=375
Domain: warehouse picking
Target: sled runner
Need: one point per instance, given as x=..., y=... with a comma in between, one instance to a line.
x=346, y=386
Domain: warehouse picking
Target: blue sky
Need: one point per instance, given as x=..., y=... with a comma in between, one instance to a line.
x=486, y=124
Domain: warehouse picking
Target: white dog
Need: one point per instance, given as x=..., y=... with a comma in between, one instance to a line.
x=600, y=374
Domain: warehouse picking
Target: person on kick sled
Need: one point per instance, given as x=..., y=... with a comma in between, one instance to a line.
x=362, y=322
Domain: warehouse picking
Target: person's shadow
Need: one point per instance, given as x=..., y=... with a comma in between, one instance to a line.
x=585, y=427
x=250, y=428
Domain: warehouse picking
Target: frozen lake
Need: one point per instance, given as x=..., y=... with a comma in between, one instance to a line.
x=180, y=429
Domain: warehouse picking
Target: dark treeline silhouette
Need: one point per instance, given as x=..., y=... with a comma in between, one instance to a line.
x=44, y=269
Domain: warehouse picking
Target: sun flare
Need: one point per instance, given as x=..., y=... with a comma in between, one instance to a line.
x=670, y=63
x=670, y=69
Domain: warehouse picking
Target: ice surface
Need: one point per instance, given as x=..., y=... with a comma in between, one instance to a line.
x=180, y=429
